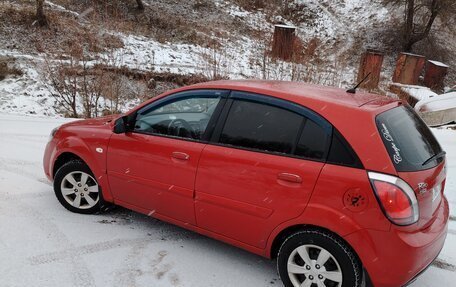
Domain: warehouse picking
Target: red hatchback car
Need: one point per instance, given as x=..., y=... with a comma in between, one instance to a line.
x=343, y=189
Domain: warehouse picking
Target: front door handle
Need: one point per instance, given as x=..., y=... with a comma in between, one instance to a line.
x=180, y=155
x=294, y=178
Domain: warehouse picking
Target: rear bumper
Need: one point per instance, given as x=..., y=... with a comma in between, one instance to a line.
x=421, y=272
x=397, y=258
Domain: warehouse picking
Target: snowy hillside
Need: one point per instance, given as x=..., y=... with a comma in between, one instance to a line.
x=211, y=39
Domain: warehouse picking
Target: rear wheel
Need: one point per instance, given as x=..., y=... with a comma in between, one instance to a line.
x=77, y=189
x=314, y=258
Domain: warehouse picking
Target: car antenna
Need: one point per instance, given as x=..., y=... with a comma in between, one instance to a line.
x=353, y=90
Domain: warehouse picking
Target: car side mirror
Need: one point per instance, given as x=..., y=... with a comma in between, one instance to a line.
x=120, y=126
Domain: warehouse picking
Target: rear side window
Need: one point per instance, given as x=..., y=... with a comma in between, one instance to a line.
x=409, y=141
x=261, y=127
x=341, y=152
x=313, y=142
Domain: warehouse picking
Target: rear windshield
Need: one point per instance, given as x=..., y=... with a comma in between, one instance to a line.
x=409, y=141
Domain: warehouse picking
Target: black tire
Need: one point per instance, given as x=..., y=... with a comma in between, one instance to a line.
x=76, y=166
x=347, y=261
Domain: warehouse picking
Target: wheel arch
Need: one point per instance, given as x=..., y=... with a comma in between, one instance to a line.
x=72, y=148
x=285, y=233
x=63, y=158
x=315, y=216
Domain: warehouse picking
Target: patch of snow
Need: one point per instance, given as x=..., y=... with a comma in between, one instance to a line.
x=437, y=103
x=255, y=19
x=419, y=93
x=26, y=94
x=413, y=55
x=437, y=63
x=146, y=54
x=285, y=26
x=60, y=8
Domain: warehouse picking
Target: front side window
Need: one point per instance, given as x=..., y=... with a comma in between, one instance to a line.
x=261, y=127
x=185, y=117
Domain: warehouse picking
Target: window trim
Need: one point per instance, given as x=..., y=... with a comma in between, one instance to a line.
x=200, y=93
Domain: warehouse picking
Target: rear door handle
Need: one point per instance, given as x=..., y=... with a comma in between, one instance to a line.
x=294, y=178
x=180, y=155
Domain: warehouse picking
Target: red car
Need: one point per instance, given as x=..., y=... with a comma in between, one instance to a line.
x=343, y=189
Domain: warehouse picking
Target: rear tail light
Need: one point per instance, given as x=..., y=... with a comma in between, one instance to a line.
x=396, y=198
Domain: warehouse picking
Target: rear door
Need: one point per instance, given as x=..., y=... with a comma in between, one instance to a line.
x=417, y=157
x=261, y=167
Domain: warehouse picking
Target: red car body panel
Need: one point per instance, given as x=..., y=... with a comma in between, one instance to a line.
x=404, y=254
x=240, y=194
x=147, y=172
x=432, y=178
x=248, y=199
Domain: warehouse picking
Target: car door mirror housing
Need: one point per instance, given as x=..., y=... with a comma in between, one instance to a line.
x=121, y=125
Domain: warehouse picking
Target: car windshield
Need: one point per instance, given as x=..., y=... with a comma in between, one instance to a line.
x=409, y=141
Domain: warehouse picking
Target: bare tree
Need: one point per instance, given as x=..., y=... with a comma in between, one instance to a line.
x=40, y=17
x=420, y=16
x=140, y=4
x=63, y=86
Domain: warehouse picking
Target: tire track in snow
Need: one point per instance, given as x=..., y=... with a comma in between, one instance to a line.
x=75, y=252
x=18, y=167
x=81, y=274
x=159, y=270
x=25, y=195
x=127, y=275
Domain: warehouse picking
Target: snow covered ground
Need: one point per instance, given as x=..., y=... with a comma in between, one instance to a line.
x=42, y=244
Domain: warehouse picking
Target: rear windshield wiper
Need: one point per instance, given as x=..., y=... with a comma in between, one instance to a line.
x=436, y=156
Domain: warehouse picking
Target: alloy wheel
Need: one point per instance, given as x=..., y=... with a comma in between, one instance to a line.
x=313, y=266
x=80, y=190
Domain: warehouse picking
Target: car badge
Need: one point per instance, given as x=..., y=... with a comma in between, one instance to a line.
x=422, y=187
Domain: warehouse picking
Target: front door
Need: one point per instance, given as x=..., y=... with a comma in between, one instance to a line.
x=153, y=167
x=261, y=169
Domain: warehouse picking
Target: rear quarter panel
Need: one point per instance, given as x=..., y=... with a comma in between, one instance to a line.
x=358, y=127
x=327, y=208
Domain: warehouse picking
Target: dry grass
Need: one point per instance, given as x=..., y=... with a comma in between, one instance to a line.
x=159, y=22
x=8, y=68
x=19, y=32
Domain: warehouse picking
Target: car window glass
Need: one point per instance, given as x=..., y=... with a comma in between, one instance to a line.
x=342, y=153
x=261, y=127
x=408, y=140
x=313, y=142
x=185, y=118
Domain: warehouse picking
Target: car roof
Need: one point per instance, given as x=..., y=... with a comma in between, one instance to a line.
x=301, y=92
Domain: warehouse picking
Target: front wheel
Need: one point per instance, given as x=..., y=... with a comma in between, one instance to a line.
x=77, y=189
x=314, y=258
